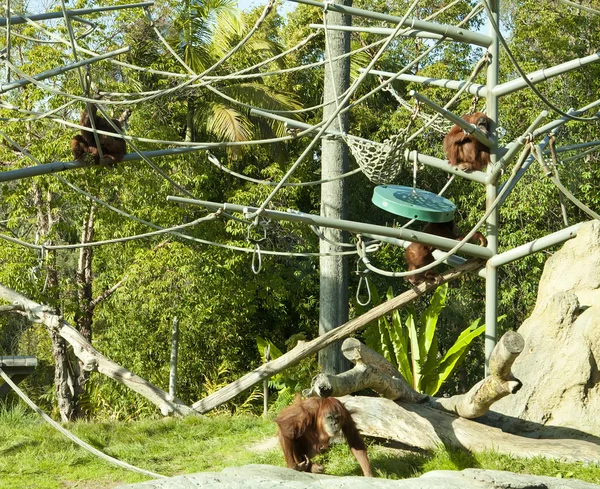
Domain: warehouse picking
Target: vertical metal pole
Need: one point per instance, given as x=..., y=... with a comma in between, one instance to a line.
x=174, y=355
x=333, y=300
x=491, y=283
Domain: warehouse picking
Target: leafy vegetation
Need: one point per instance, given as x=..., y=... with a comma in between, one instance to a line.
x=413, y=347
x=222, y=306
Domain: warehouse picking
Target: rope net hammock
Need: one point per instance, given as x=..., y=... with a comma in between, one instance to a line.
x=380, y=162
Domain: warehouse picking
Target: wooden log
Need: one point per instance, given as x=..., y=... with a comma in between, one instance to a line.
x=494, y=387
x=375, y=372
x=311, y=347
x=420, y=426
x=372, y=371
x=91, y=358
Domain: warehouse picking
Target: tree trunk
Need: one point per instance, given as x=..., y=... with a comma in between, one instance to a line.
x=419, y=426
x=63, y=371
x=92, y=359
x=84, y=315
x=333, y=302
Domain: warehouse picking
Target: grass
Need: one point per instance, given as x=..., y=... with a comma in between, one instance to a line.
x=33, y=455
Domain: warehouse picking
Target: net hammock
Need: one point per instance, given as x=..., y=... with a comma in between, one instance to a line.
x=380, y=162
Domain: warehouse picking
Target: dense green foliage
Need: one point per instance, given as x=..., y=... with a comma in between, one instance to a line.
x=221, y=305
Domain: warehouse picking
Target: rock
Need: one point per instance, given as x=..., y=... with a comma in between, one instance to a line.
x=558, y=366
x=268, y=477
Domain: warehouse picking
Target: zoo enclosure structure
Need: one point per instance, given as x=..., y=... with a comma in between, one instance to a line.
x=501, y=157
x=492, y=91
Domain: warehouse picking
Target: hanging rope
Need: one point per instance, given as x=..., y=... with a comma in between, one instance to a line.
x=550, y=174
x=74, y=438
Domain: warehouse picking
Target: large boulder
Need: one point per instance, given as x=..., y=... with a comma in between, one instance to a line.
x=558, y=366
x=269, y=477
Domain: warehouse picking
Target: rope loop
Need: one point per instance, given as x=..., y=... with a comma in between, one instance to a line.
x=256, y=269
x=363, y=277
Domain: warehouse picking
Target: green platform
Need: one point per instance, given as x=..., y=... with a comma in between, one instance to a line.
x=413, y=203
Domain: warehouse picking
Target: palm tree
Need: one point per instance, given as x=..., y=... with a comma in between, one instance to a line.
x=202, y=33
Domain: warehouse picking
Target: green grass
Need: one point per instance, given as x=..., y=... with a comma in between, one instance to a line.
x=33, y=455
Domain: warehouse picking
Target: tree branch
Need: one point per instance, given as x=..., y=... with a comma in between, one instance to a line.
x=91, y=358
x=311, y=347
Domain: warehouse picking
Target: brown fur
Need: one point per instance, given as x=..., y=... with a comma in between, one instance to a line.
x=418, y=255
x=303, y=433
x=463, y=150
x=113, y=149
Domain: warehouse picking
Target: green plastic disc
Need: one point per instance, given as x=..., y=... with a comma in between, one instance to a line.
x=413, y=203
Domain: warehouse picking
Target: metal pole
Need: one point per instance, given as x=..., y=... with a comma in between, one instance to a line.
x=63, y=69
x=58, y=166
x=539, y=244
x=334, y=270
x=491, y=282
x=8, y=41
x=448, y=31
x=544, y=74
x=383, y=31
x=350, y=226
x=174, y=355
x=472, y=88
x=459, y=121
x=17, y=19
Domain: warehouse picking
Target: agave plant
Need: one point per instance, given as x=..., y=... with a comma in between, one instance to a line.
x=412, y=345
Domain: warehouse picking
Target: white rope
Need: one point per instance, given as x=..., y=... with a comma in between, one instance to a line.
x=213, y=159
x=350, y=92
x=175, y=233
x=90, y=244
x=72, y=437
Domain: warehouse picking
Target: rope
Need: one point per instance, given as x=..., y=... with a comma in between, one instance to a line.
x=550, y=174
x=213, y=159
x=84, y=86
x=72, y=437
x=379, y=160
x=175, y=233
x=412, y=63
x=563, y=205
x=210, y=217
x=322, y=130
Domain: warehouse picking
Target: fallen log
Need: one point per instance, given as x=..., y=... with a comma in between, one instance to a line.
x=421, y=427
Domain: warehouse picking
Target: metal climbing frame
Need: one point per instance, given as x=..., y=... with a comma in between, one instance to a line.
x=500, y=157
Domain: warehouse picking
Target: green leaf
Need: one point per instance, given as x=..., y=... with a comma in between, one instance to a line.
x=414, y=348
x=430, y=371
x=387, y=348
x=429, y=318
x=263, y=344
x=455, y=355
x=399, y=341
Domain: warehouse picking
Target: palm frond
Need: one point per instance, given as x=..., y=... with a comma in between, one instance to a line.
x=227, y=124
x=262, y=96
